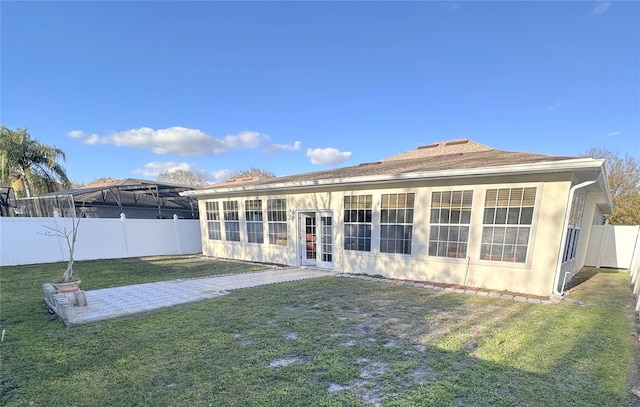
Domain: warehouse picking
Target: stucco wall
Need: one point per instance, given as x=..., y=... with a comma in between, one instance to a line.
x=534, y=277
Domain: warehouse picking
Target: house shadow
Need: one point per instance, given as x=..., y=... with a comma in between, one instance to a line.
x=586, y=274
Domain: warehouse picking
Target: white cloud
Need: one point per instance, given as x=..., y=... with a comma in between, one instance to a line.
x=153, y=169
x=217, y=176
x=327, y=155
x=613, y=133
x=92, y=140
x=600, y=8
x=554, y=106
x=283, y=147
x=76, y=134
x=175, y=140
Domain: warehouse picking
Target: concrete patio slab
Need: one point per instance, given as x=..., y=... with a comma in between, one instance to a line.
x=109, y=303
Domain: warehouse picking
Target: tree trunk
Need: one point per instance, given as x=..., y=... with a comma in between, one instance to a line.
x=25, y=182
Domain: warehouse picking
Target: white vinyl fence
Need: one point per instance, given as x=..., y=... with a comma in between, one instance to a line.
x=612, y=246
x=24, y=240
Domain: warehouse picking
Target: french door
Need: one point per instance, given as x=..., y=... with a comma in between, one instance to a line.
x=316, y=239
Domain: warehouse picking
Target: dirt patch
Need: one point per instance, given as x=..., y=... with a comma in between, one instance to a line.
x=291, y=336
x=284, y=362
x=242, y=340
x=334, y=388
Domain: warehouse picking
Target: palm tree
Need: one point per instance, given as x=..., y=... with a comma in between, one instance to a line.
x=30, y=163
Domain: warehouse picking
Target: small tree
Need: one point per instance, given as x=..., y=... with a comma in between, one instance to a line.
x=70, y=236
x=183, y=177
x=623, y=176
x=254, y=173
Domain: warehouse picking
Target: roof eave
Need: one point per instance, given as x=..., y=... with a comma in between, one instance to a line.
x=540, y=167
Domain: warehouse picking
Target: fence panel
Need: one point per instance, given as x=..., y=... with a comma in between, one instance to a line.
x=612, y=246
x=24, y=240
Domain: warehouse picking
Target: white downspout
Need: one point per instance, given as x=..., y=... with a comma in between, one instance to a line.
x=565, y=224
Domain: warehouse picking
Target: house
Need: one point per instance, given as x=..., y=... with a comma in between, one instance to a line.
x=136, y=198
x=454, y=212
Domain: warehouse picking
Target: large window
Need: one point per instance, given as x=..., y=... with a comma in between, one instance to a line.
x=213, y=220
x=357, y=222
x=573, y=228
x=253, y=217
x=231, y=221
x=396, y=223
x=449, y=223
x=508, y=214
x=277, y=220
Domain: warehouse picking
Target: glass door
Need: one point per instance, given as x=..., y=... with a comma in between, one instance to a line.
x=308, y=236
x=316, y=239
x=325, y=252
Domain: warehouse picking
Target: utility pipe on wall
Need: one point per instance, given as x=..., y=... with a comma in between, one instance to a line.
x=565, y=225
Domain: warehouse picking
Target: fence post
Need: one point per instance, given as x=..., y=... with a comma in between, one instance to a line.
x=633, y=268
x=604, y=242
x=123, y=218
x=175, y=225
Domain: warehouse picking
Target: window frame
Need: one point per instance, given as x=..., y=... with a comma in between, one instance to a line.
x=231, y=217
x=214, y=228
x=449, y=218
x=507, y=226
x=254, y=220
x=277, y=226
x=396, y=222
x=357, y=221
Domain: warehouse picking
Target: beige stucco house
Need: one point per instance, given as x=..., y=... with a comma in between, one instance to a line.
x=453, y=212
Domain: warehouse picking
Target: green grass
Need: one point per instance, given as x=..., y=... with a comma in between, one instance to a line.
x=290, y=344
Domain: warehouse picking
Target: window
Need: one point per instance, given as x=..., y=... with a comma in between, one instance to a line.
x=508, y=214
x=277, y=219
x=326, y=238
x=231, y=221
x=253, y=216
x=449, y=223
x=213, y=220
x=357, y=222
x=396, y=223
x=310, y=237
x=573, y=228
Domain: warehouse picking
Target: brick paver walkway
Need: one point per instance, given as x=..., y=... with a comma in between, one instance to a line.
x=115, y=302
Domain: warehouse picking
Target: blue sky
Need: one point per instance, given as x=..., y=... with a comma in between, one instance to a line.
x=129, y=89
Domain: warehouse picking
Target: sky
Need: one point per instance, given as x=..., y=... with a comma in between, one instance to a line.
x=131, y=89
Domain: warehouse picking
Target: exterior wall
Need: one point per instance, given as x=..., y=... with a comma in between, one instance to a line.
x=535, y=276
x=591, y=216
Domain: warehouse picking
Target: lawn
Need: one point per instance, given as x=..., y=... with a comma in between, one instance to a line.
x=323, y=342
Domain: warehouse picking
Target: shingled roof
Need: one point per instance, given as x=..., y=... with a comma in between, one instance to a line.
x=441, y=156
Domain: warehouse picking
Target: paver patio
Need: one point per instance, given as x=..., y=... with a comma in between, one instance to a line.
x=109, y=303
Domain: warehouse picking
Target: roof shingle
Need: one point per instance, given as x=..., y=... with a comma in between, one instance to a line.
x=441, y=156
